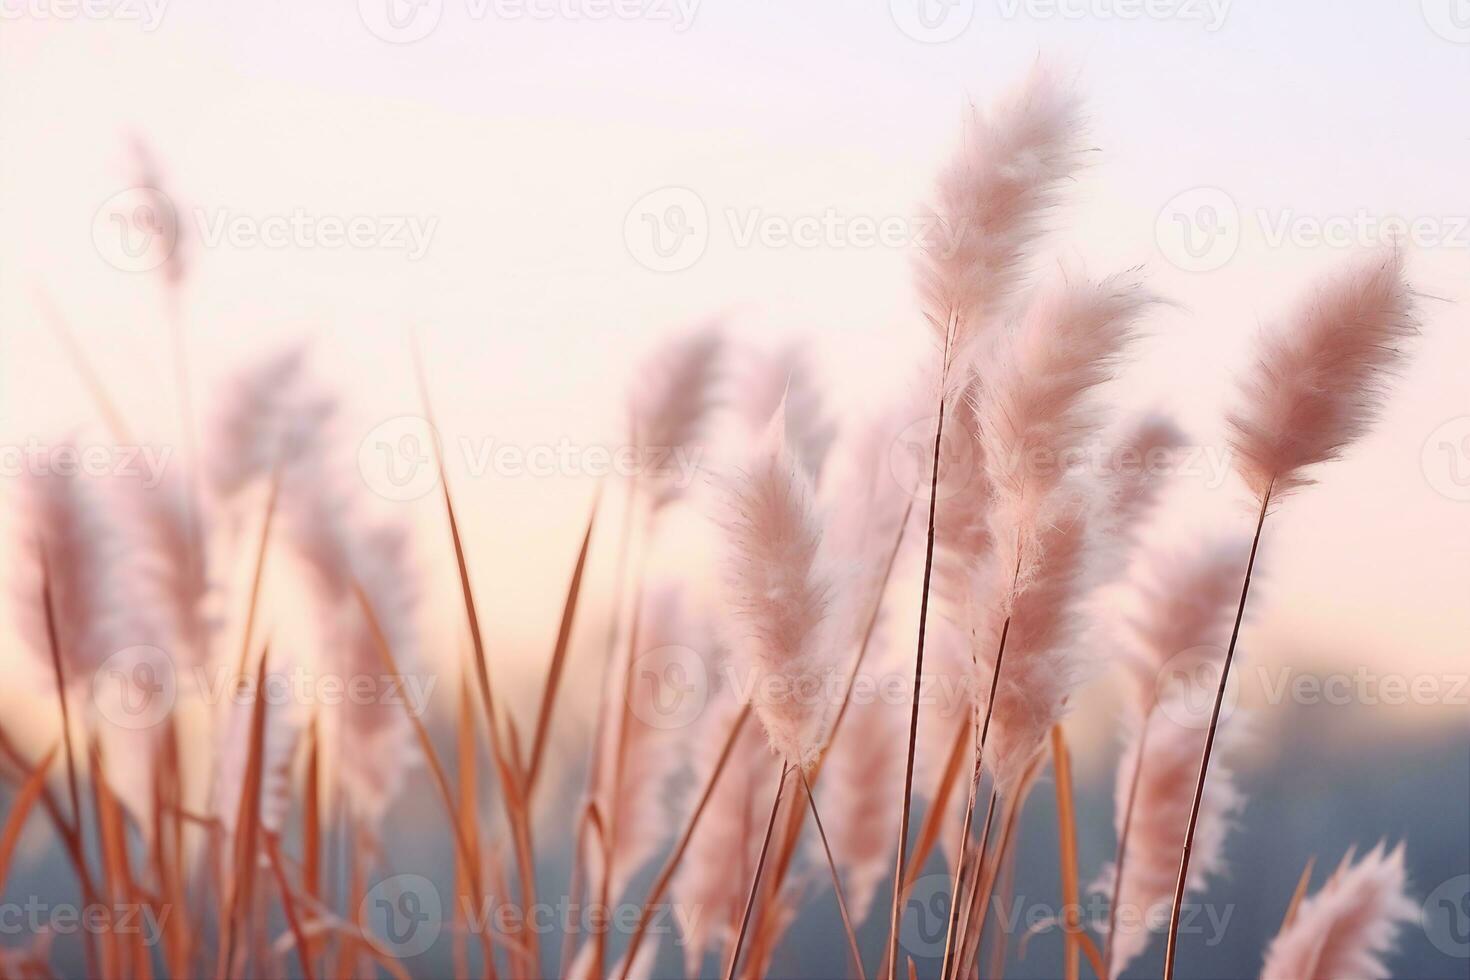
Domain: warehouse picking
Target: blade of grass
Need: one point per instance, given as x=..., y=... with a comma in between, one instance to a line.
x=30, y=791
x=303, y=949
x=559, y=654
x=857, y=957
x=240, y=889
x=1302, y=884
x=512, y=792
x=436, y=770
x=1067, y=846
x=468, y=817
x=53, y=644
x=755, y=881
x=91, y=380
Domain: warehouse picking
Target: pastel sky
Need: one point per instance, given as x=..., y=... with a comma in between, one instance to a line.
x=524, y=148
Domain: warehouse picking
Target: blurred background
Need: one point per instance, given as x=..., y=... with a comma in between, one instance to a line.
x=539, y=192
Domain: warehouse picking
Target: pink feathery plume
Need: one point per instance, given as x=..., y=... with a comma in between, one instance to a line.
x=962, y=527
x=91, y=565
x=270, y=416
x=992, y=201
x=1034, y=404
x=785, y=374
x=1163, y=753
x=1140, y=465
x=862, y=777
x=1350, y=927
x=374, y=744
x=149, y=179
x=176, y=580
x=1184, y=610
x=779, y=588
x=1042, y=665
x=670, y=404
x=715, y=873
x=1317, y=383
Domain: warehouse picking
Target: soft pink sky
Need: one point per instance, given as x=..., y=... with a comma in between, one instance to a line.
x=528, y=141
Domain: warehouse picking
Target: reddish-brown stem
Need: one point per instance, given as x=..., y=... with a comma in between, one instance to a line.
x=1172, y=950
x=755, y=881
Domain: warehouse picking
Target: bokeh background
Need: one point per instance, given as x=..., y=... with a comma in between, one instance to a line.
x=549, y=189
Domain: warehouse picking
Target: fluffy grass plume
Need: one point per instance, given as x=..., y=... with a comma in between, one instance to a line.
x=1349, y=927
x=1317, y=383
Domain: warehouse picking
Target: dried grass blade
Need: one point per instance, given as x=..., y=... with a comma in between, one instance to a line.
x=559, y=654
x=436, y=770
x=242, y=875
x=20, y=808
x=1067, y=844
x=857, y=956
x=1302, y=885
x=288, y=904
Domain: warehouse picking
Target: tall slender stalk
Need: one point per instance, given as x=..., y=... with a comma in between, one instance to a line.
x=755, y=881
x=857, y=957
x=982, y=735
x=1172, y=950
x=901, y=863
